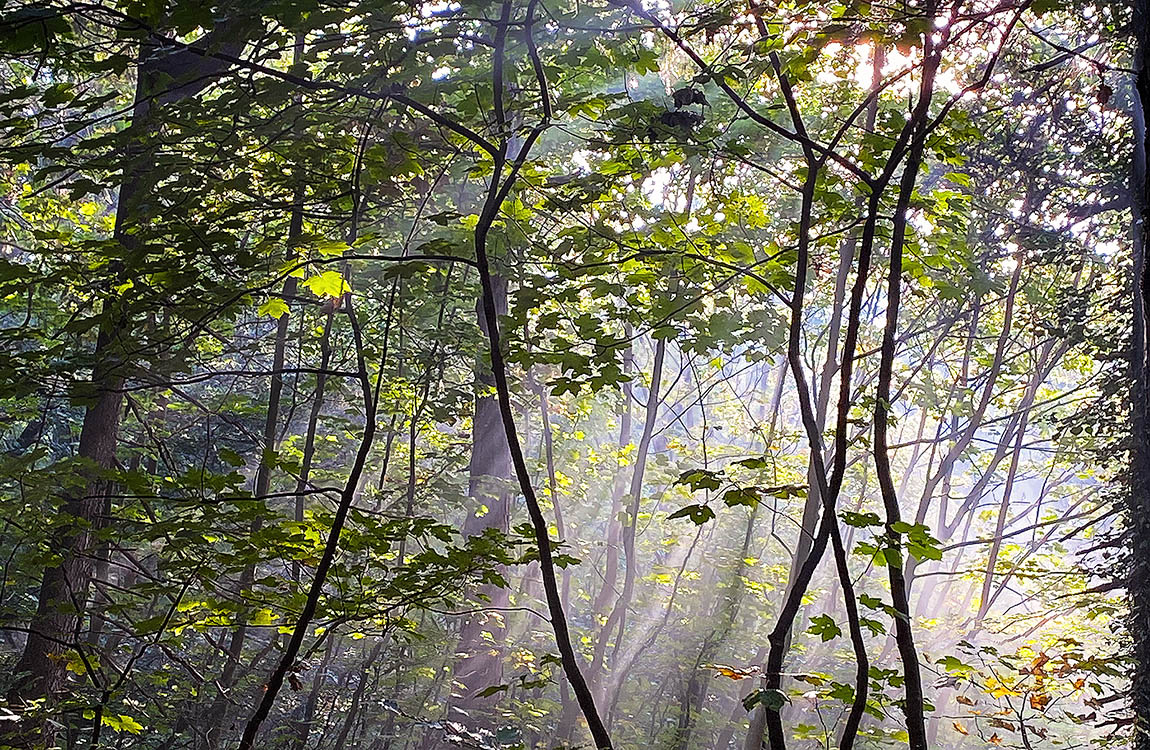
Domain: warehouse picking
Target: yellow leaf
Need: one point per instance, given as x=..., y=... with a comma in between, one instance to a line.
x=264, y=617
x=331, y=249
x=130, y=725
x=960, y=728
x=274, y=308
x=998, y=689
x=734, y=673
x=327, y=284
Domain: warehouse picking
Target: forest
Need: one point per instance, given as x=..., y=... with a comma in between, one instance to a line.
x=557, y=374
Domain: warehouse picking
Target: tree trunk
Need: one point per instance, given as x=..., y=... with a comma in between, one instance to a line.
x=54, y=629
x=1138, y=515
x=479, y=662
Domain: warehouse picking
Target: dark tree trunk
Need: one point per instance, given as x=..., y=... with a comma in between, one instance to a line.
x=56, y=626
x=1138, y=515
x=54, y=629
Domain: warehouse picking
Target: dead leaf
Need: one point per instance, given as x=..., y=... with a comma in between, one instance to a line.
x=734, y=673
x=1002, y=724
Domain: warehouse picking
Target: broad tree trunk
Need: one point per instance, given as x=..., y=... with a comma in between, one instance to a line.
x=1138, y=515
x=55, y=628
x=480, y=658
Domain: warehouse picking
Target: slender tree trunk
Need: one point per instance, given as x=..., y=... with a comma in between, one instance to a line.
x=725, y=612
x=617, y=618
x=497, y=192
x=570, y=709
x=312, y=426
x=357, y=697
x=307, y=711
x=1000, y=524
x=913, y=703
x=229, y=675
x=331, y=545
x=618, y=489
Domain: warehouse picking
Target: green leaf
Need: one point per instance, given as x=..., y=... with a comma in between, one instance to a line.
x=785, y=491
x=841, y=692
x=330, y=249
x=122, y=723
x=274, y=308
x=327, y=284
x=149, y=626
x=958, y=178
x=772, y=700
x=955, y=665
x=748, y=496
x=861, y=520
x=230, y=457
x=700, y=479
x=699, y=514
x=264, y=617
x=825, y=627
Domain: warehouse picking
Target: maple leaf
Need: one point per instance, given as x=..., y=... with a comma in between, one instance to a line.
x=274, y=308
x=327, y=284
x=998, y=689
